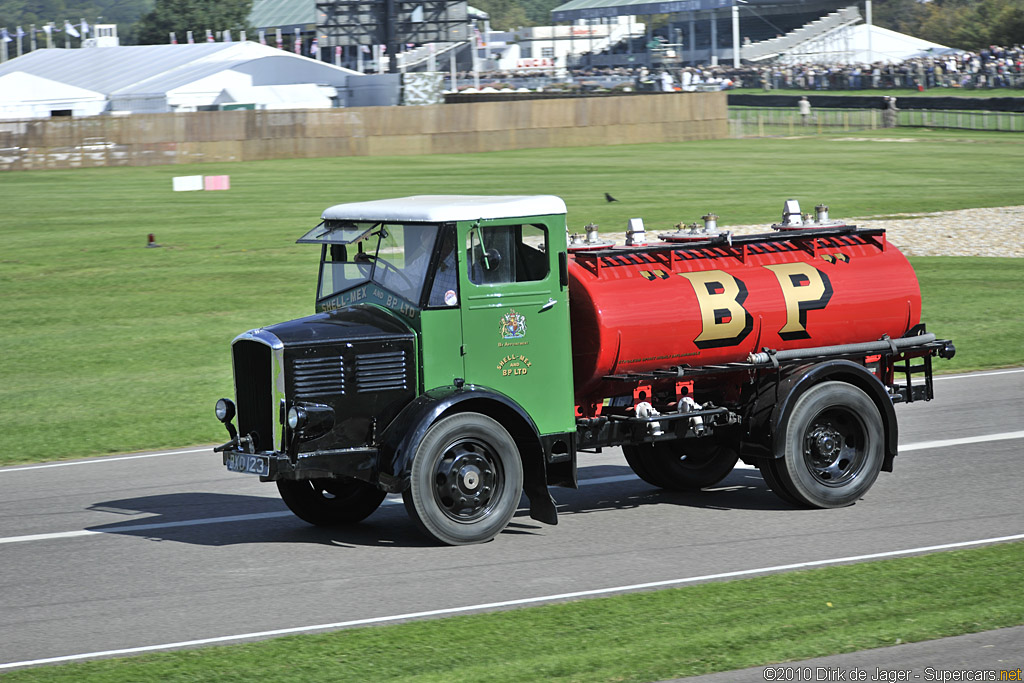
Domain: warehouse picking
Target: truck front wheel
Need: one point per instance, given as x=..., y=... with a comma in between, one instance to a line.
x=466, y=480
x=682, y=465
x=330, y=502
x=832, y=448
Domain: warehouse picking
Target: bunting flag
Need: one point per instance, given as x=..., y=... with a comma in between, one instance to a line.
x=314, y=49
x=298, y=42
x=71, y=30
x=227, y=36
x=190, y=39
x=85, y=28
x=174, y=39
x=280, y=43
x=19, y=32
x=209, y=36
x=263, y=37
x=48, y=30
x=364, y=48
x=4, y=35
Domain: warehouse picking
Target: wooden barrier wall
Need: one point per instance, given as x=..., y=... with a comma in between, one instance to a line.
x=149, y=139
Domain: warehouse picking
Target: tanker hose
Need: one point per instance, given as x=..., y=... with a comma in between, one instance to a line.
x=863, y=347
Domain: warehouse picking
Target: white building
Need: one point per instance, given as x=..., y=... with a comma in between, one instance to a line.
x=163, y=78
x=546, y=47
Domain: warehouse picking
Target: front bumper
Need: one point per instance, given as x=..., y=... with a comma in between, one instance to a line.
x=358, y=463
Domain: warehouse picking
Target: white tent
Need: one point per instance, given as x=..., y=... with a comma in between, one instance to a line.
x=155, y=78
x=302, y=95
x=27, y=96
x=886, y=45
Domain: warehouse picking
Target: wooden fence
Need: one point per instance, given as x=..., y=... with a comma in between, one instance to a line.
x=150, y=139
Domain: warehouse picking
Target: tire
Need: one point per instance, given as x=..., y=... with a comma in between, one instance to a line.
x=832, y=448
x=330, y=502
x=770, y=474
x=466, y=480
x=664, y=464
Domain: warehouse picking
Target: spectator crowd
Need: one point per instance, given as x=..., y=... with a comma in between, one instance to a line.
x=993, y=67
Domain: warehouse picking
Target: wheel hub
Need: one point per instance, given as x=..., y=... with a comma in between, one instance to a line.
x=824, y=444
x=470, y=478
x=464, y=481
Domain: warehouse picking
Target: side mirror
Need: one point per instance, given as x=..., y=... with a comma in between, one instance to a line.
x=492, y=257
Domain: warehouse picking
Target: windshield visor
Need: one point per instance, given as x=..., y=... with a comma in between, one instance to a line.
x=394, y=256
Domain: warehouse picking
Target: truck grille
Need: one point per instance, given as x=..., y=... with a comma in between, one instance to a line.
x=254, y=392
x=318, y=377
x=381, y=371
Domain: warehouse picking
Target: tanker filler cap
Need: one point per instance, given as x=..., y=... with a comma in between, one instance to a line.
x=696, y=233
x=591, y=241
x=793, y=220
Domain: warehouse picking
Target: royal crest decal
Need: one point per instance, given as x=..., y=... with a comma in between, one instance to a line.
x=513, y=325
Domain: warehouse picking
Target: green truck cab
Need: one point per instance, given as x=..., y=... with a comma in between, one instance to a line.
x=435, y=366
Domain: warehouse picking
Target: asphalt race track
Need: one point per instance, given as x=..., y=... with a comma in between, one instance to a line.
x=163, y=550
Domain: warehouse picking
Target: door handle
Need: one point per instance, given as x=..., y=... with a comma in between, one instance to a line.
x=551, y=302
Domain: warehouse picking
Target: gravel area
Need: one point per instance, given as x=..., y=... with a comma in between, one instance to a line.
x=997, y=231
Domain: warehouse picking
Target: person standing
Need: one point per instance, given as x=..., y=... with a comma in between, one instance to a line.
x=804, y=106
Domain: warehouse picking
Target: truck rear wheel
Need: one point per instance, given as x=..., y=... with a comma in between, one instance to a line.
x=832, y=446
x=466, y=480
x=330, y=502
x=665, y=464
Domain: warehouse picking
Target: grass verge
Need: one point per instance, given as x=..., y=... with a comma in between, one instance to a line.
x=637, y=637
x=892, y=92
x=112, y=347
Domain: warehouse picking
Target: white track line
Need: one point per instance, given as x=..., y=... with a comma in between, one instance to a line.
x=946, y=443
x=517, y=603
x=971, y=375
x=132, y=528
x=101, y=460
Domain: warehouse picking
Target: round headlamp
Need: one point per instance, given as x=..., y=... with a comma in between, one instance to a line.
x=225, y=410
x=296, y=417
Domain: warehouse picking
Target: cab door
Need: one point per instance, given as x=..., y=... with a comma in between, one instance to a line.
x=515, y=315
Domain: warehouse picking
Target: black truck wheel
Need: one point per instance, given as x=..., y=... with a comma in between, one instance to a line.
x=330, y=502
x=466, y=480
x=832, y=446
x=682, y=466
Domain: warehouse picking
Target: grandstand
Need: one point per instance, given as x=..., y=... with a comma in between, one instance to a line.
x=722, y=31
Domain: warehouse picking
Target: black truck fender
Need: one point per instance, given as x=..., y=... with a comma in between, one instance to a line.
x=775, y=399
x=399, y=439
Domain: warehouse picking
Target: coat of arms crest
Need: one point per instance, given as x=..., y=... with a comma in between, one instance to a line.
x=513, y=325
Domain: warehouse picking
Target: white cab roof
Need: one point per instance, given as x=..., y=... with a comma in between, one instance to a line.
x=436, y=208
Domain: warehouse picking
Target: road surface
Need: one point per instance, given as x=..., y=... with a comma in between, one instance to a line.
x=163, y=550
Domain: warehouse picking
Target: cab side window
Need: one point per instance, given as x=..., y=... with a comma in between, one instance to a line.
x=507, y=253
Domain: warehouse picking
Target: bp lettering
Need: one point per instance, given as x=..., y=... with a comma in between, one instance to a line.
x=804, y=288
x=724, y=320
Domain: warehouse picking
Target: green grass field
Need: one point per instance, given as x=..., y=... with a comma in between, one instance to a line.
x=893, y=92
x=111, y=347
x=638, y=637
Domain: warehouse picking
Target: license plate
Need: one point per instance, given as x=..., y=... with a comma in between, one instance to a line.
x=248, y=464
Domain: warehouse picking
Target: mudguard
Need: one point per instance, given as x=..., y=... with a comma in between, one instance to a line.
x=400, y=439
x=774, y=404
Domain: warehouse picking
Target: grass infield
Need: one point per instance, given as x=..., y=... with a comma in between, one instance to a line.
x=108, y=346
x=637, y=637
x=891, y=92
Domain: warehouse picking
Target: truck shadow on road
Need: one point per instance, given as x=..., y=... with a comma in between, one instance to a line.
x=220, y=519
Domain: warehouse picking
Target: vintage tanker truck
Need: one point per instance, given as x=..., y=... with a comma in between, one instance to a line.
x=466, y=350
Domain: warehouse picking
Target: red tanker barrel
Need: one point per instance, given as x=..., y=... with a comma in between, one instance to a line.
x=640, y=310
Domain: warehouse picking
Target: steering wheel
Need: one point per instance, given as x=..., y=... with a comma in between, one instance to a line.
x=389, y=266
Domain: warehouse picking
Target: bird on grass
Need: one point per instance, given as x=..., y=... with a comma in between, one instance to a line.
x=609, y=198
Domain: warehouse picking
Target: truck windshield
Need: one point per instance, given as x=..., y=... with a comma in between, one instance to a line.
x=394, y=256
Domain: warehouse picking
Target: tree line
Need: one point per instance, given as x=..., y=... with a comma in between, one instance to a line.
x=963, y=24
